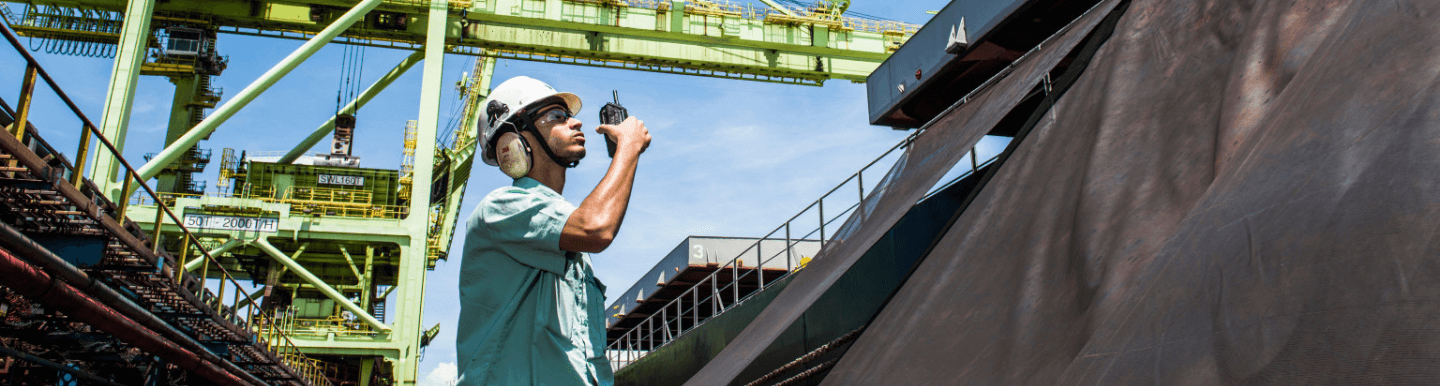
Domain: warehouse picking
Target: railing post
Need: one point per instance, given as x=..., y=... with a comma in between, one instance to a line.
x=235, y=305
x=82, y=154
x=860, y=183
x=220, y=298
x=22, y=110
x=694, y=306
x=180, y=266
x=120, y=209
x=204, y=268
x=159, y=220
x=789, y=251
x=714, y=296
x=822, y=221
x=734, y=281
x=760, y=263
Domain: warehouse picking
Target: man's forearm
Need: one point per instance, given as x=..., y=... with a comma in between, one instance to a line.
x=612, y=196
x=597, y=220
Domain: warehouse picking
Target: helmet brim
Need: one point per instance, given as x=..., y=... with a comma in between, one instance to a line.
x=571, y=102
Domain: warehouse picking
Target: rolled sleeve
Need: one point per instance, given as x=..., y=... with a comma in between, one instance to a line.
x=528, y=226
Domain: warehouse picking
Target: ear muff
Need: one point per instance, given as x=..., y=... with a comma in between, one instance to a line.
x=514, y=154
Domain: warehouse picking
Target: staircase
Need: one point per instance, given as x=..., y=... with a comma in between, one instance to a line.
x=377, y=309
x=206, y=97
x=60, y=229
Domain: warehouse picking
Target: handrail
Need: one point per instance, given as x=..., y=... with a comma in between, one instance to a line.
x=289, y=353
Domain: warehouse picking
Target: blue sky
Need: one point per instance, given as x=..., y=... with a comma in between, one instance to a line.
x=728, y=158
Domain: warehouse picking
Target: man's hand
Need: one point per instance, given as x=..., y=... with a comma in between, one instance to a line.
x=630, y=132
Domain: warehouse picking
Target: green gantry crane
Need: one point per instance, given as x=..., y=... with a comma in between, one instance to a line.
x=330, y=244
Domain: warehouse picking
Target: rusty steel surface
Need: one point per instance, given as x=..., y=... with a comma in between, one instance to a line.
x=173, y=314
x=932, y=154
x=1233, y=193
x=33, y=282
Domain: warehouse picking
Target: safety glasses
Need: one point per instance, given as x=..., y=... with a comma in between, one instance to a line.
x=555, y=115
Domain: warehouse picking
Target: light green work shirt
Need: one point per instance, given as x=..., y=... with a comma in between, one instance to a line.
x=530, y=313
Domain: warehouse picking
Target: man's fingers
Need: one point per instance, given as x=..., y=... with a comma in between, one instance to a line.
x=631, y=128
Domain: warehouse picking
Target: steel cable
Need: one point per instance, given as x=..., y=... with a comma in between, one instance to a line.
x=843, y=339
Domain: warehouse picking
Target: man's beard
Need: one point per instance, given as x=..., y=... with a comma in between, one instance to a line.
x=566, y=155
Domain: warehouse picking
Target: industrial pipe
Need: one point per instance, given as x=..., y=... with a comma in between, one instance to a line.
x=34, y=283
x=88, y=377
x=369, y=93
x=34, y=253
x=225, y=111
x=319, y=284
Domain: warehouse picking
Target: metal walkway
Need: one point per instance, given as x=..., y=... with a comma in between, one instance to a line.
x=89, y=290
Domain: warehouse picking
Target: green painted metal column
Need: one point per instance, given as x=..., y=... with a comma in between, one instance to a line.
x=677, y=16
x=370, y=92
x=134, y=37
x=366, y=366
x=413, y=265
x=367, y=281
x=179, y=122
x=224, y=112
x=821, y=36
x=180, y=108
x=552, y=9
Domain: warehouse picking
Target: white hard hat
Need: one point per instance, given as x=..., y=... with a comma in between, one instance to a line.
x=515, y=97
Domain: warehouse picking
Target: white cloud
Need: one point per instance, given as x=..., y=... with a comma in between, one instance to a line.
x=443, y=375
x=143, y=106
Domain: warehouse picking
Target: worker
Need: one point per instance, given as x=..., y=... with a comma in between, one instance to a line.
x=531, y=309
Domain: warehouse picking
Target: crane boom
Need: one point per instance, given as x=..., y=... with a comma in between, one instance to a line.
x=707, y=38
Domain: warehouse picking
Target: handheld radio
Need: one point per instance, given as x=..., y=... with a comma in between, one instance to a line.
x=612, y=114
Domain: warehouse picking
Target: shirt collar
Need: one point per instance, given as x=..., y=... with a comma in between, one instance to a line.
x=528, y=183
